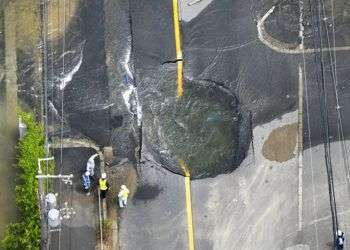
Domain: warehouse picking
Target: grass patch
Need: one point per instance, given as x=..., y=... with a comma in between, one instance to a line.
x=26, y=233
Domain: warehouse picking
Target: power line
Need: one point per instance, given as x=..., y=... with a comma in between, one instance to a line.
x=52, y=73
x=46, y=16
x=320, y=79
x=44, y=28
x=334, y=77
x=62, y=101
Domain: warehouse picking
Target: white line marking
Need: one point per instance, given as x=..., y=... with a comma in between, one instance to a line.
x=300, y=121
x=286, y=48
x=300, y=150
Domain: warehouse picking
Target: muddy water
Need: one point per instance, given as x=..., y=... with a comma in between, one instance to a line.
x=281, y=143
x=8, y=212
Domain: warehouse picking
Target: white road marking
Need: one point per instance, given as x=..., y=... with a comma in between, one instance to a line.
x=300, y=120
x=286, y=48
x=300, y=150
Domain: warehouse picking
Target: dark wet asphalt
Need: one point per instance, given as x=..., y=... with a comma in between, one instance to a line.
x=78, y=232
x=312, y=99
x=256, y=207
x=220, y=45
x=155, y=217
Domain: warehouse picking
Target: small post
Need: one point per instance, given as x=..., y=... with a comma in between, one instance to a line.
x=100, y=217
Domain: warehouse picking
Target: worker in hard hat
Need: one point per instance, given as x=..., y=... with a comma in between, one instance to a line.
x=86, y=182
x=90, y=165
x=340, y=239
x=123, y=196
x=104, y=185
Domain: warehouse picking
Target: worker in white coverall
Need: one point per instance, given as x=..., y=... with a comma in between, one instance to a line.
x=86, y=182
x=123, y=196
x=90, y=165
x=340, y=239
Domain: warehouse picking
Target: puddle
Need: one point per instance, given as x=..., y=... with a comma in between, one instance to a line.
x=280, y=144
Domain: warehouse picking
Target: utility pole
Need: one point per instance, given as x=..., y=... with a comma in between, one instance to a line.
x=67, y=179
x=43, y=218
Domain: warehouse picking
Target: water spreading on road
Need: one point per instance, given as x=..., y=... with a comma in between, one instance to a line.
x=130, y=95
x=67, y=78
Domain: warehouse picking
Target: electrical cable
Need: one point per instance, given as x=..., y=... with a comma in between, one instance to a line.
x=319, y=59
x=63, y=31
x=44, y=29
x=334, y=77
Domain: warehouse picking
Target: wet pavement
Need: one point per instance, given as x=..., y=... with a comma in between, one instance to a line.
x=156, y=216
x=78, y=232
x=263, y=204
x=255, y=207
x=103, y=84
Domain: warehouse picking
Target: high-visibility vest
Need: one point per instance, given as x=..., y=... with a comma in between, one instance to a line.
x=124, y=193
x=103, y=184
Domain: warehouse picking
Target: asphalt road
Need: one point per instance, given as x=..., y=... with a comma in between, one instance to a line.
x=78, y=232
x=255, y=207
x=263, y=204
x=156, y=216
x=317, y=224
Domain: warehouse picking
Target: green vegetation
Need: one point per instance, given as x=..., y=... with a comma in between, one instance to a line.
x=106, y=231
x=26, y=233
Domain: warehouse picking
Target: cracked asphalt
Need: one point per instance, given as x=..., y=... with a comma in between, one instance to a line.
x=257, y=206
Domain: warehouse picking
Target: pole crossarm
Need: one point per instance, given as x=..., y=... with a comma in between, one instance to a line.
x=60, y=176
x=43, y=159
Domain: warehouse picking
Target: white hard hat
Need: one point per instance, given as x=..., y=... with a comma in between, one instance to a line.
x=340, y=232
x=123, y=187
x=103, y=175
x=87, y=173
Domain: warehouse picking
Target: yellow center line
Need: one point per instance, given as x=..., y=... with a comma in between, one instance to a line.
x=188, y=206
x=189, y=213
x=180, y=88
x=180, y=91
x=177, y=34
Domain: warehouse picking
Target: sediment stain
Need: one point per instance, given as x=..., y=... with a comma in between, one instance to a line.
x=281, y=143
